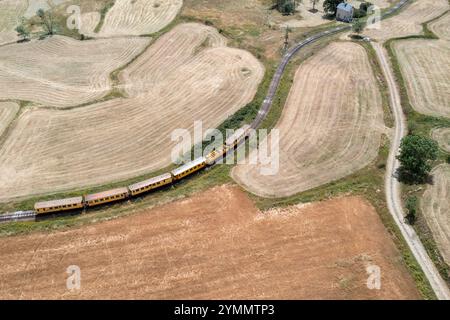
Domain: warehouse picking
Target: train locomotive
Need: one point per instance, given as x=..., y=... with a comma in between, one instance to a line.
x=142, y=187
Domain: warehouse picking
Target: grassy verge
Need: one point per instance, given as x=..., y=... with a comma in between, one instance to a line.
x=422, y=125
x=368, y=183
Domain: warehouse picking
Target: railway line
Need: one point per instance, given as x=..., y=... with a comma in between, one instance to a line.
x=110, y=196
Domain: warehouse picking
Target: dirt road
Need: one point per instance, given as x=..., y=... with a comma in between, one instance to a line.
x=392, y=186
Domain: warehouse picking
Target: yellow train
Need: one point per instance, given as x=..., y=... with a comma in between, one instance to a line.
x=108, y=196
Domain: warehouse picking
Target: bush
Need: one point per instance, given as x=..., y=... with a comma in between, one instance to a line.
x=411, y=207
x=416, y=153
x=358, y=13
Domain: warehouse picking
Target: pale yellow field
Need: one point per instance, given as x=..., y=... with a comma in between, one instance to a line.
x=10, y=13
x=442, y=136
x=137, y=17
x=89, y=21
x=425, y=65
x=435, y=207
x=330, y=127
x=61, y=71
x=189, y=75
x=409, y=20
x=441, y=27
x=8, y=111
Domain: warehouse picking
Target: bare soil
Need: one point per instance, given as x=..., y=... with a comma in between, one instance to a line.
x=210, y=246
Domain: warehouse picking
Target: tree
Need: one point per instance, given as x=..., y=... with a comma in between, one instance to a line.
x=330, y=6
x=23, y=32
x=411, y=207
x=416, y=153
x=46, y=21
x=357, y=26
x=286, y=6
x=314, y=2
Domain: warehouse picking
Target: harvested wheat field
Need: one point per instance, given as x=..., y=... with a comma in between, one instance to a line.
x=10, y=13
x=214, y=245
x=425, y=66
x=442, y=136
x=8, y=111
x=89, y=22
x=435, y=205
x=441, y=27
x=61, y=71
x=138, y=17
x=330, y=127
x=187, y=75
x=409, y=20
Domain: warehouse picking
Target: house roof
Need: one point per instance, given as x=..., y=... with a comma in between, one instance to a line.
x=345, y=6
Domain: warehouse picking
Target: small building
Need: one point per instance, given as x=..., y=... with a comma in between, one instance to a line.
x=344, y=12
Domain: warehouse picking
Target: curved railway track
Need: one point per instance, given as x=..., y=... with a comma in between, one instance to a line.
x=267, y=103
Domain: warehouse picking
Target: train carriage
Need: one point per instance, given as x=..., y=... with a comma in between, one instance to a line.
x=150, y=184
x=59, y=205
x=96, y=199
x=189, y=168
x=241, y=133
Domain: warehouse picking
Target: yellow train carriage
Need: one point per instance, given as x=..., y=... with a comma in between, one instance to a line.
x=96, y=199
x=189, y=168
x=241, y=133
x=150, y=184
x=59, y=205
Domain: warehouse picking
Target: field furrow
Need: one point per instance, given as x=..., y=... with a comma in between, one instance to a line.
x=8, y=111
x=425, y=66
x=441, y=27
x=61, y=71
x=442, y=136
x=137, y=17
x=10, y=13
x=409, y=20
x=435, y=207
x=330, y=126
x=170, y=86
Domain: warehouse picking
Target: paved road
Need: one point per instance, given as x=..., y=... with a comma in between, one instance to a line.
x=392, y=186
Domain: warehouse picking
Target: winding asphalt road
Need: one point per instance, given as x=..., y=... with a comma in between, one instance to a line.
x=392, y=186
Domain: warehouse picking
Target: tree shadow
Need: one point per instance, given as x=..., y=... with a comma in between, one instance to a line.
x=411, y=178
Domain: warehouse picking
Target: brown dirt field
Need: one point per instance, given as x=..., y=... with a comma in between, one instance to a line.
x=435, y=205
x=330, y=126
x=425, y=66
x=137, y=17
x=215, y=245
x=61, y=71
x=10, y=13
x=441, y=27
x=442, y=136
x=409, y=20
x=8, y=111
x=189, y=75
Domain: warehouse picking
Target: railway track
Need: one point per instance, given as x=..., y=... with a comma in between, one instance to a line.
x=267, y=103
